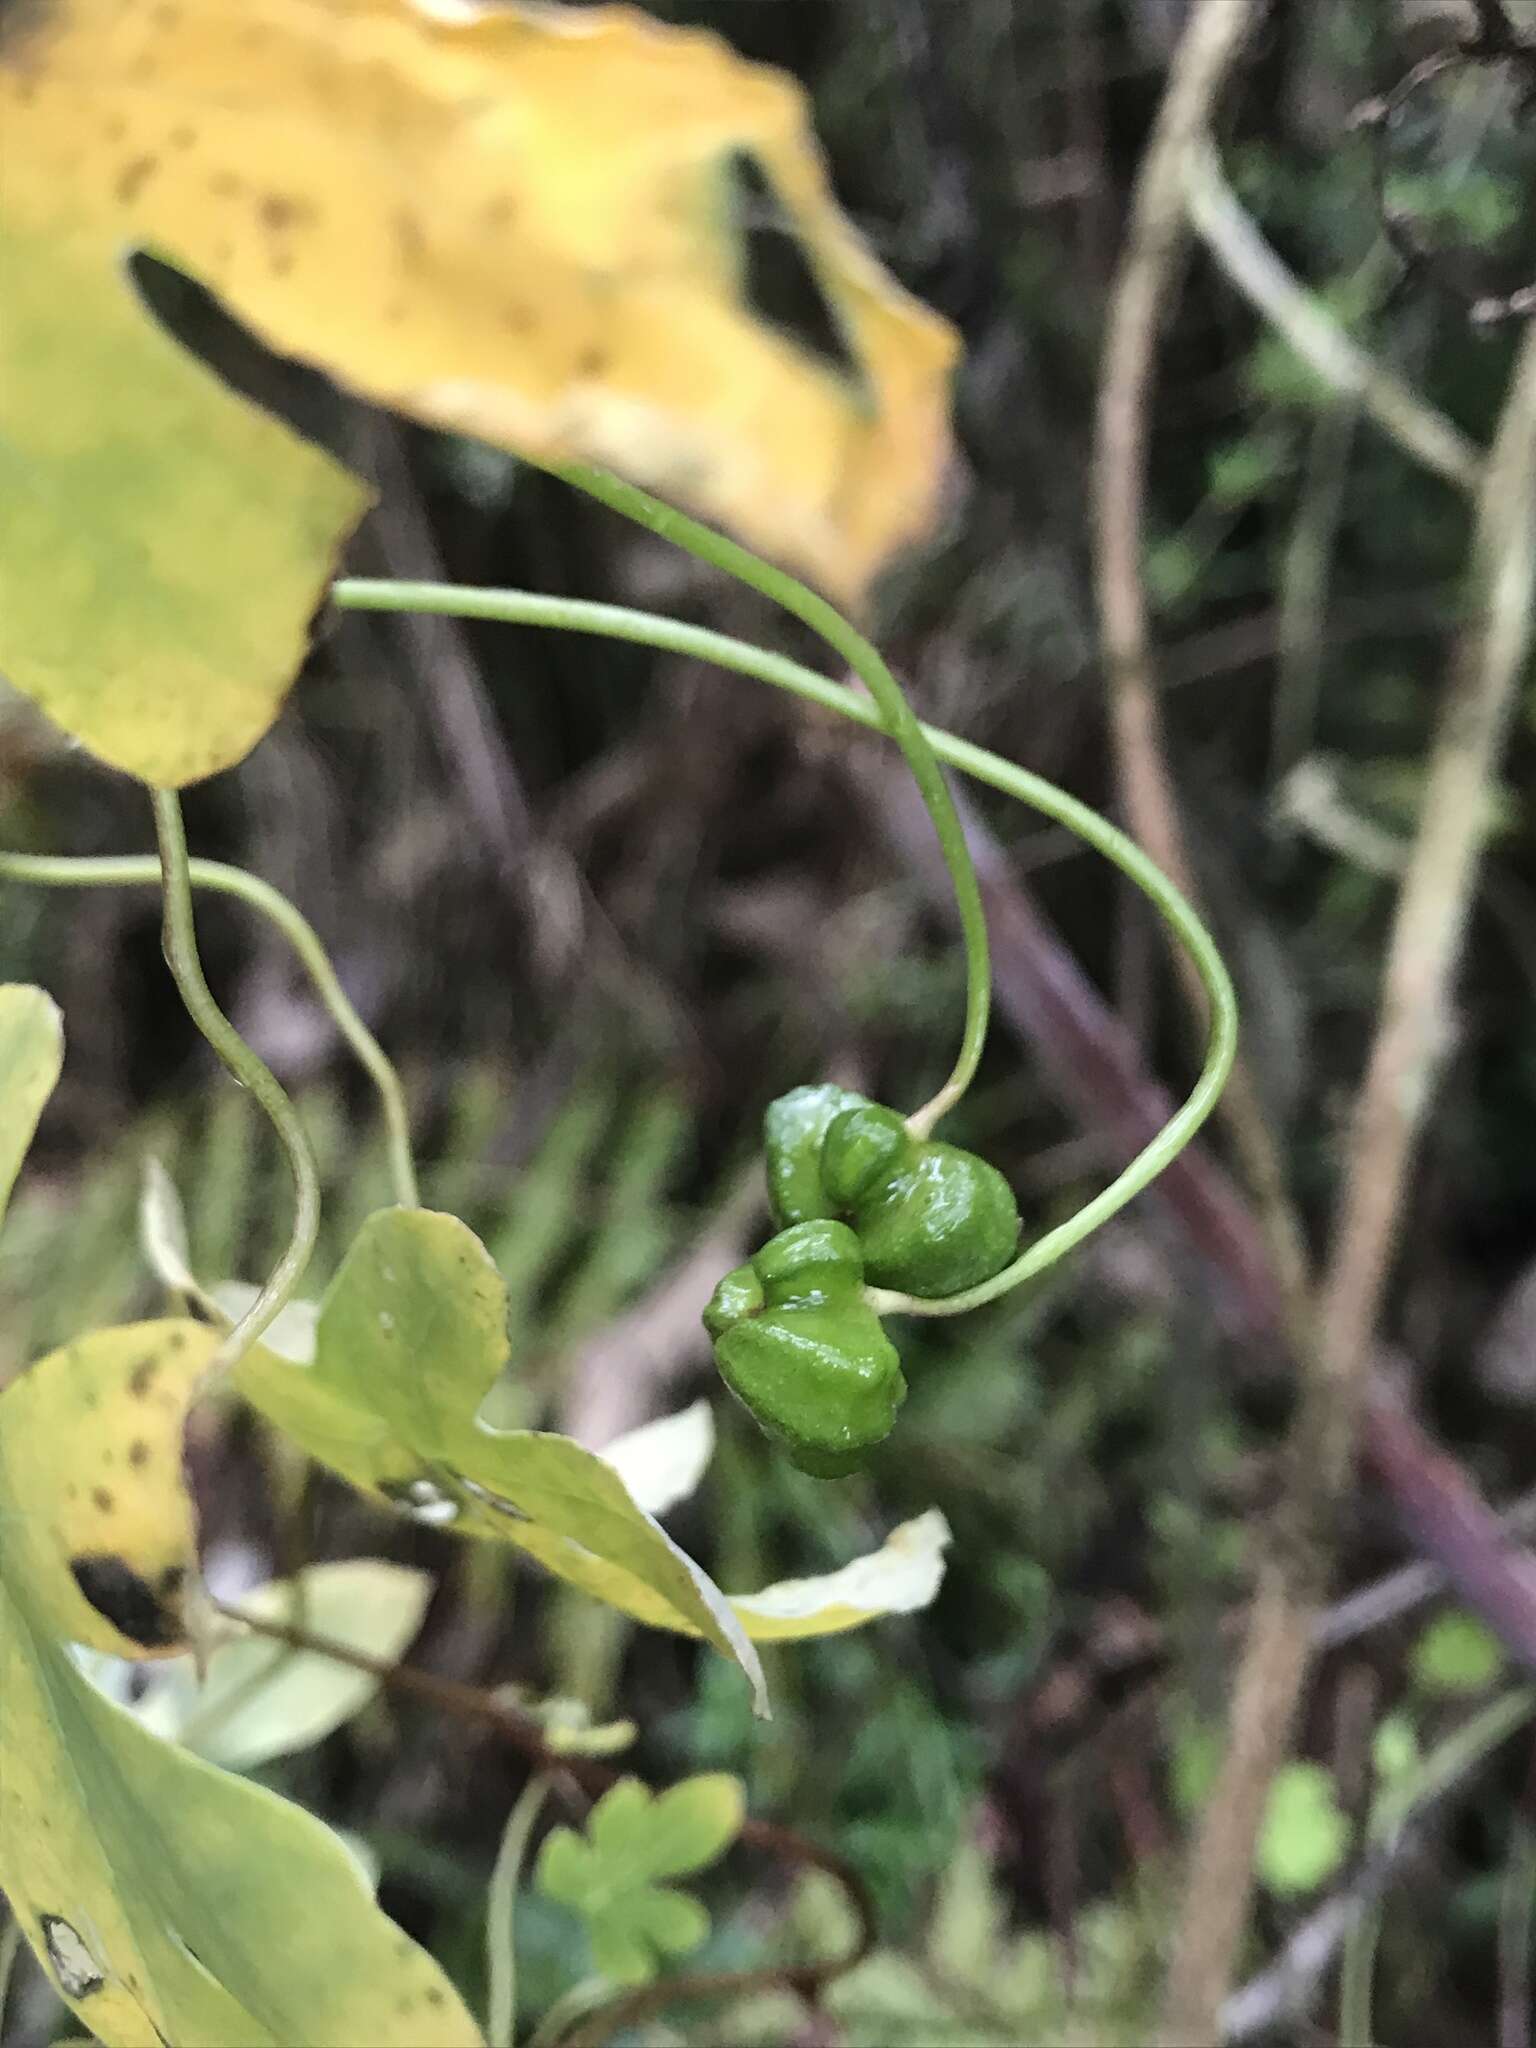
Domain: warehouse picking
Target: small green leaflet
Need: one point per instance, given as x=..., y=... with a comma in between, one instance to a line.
x=611, y=1875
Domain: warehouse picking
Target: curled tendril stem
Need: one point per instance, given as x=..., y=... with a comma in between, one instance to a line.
x=181, y=955
x=896, y=717
x=130, y=871
x=519, y=607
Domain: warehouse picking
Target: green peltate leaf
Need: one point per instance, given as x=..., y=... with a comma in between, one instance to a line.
x=611, y=1875
x=31, y=1053
x=412, y=1335
x=1305, y=1836
x=169, y=1901
x=1456, y=1653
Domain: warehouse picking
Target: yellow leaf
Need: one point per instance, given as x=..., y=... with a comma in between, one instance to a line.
x=101, y=1528
x=555, y=228
x=171, y=1902
x=163, y=543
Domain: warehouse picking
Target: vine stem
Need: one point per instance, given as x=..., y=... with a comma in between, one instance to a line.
x=130, y=871
x=1314, y=334
x=179, y=940
x=519, y=607
x=896, y=716
x=500, y=1912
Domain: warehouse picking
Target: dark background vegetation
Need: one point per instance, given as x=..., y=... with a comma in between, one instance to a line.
x=602, y=906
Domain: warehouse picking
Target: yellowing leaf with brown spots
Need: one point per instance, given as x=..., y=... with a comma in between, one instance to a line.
x=569, y=230
x=98, y=1522
x=170, y=1902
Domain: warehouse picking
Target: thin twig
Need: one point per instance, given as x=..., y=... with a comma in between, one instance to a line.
x=1409, y=1042
x=1292, y=1576
x=1154, y=239
x=1432, y=913
x=1248, y=262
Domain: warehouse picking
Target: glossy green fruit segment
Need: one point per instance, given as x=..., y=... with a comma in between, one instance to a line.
x=802, y=1350
x=931, y=1219
x=793, y=1130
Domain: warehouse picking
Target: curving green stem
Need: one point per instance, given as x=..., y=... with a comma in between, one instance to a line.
x=618, y=622
x=896, y=717
x=135, y=870
x=179, y=941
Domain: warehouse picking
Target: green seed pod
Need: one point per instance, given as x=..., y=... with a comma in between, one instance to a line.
x=793, y=1129
x=932, y=1220
x=799, y=1346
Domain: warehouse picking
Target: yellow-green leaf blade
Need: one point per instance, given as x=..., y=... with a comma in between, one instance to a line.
x=411, y=1337
x=164, y=543
x=171, y=1902
x=31, y=1054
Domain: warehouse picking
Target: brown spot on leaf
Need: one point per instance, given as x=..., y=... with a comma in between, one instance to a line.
x=499, y=212
x=138, y=1454
x=100, y=1498
x=142, y=1378
x=183, y=137
x=591, y=363
x=132, y=1606
x=410, y=237
x=225, y=185
x=277, y=211
x=282, y=262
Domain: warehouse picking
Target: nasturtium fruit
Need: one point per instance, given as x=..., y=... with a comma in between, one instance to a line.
x=800, y=1347
x=930, y=1218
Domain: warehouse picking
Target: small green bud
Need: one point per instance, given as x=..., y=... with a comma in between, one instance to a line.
x=802, y=1350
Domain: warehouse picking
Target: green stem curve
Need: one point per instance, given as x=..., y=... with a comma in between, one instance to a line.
x=896, y=718
x=618, y=622
x=129, y=871
x=181, y=956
